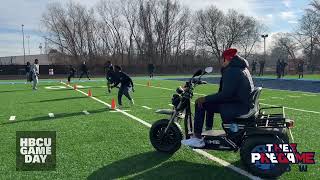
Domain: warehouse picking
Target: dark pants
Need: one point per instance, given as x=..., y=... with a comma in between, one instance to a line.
x=109, y=82
x=227, y=111
x=300, y=74
x=283, y=72
x=261, y=71
x=208, y=110
x=70, y=76
x=278, y=74
x=151, y=74
x=123, y=90
x=253, y=71
x=84, y=73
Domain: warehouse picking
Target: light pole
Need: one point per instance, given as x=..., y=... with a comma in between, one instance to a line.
x=28, y=38
x=264, y=36
x=24, y=50
x=40, y=47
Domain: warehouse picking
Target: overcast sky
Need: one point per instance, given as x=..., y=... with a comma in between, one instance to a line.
x=278, y=15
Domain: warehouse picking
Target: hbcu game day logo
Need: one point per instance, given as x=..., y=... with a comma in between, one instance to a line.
x=281, y=154
x=36, y=150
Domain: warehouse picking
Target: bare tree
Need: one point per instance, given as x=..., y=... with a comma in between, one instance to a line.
x=220, y=31
x=308, y=34
x=287, y=43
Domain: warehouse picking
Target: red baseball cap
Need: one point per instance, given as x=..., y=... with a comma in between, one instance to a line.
x=229, y=54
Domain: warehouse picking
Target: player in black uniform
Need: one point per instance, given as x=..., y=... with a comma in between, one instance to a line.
x=72, y=72
x=110, y=75
x=126, y=85
x=84, y=70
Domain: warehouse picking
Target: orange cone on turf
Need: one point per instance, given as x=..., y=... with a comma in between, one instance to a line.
x=89, y=93
x=148, y=84
x=75, y=87
x=113, y=104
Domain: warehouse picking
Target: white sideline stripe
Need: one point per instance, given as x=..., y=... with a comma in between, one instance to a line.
x=192, y=103
x=12, y=118
x=311, y=95
x=315, y=112
x=276, y=98
x=146, y=107
x=170, y=105
x=261, y=99
x=294, y=96
x=302, y=110
x=51, y=115
x=226, y=164
x=86, y=112
x=199, y=151
x=114, y=111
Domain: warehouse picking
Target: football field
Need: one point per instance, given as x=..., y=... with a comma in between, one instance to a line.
x=95, y=142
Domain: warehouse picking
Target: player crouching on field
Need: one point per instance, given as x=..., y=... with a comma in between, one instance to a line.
x=231, y=101
x=125, y=87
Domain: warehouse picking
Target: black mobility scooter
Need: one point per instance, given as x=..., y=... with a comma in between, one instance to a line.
x=248, y=133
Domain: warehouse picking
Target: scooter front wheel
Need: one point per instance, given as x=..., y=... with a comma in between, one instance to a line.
x=168, y=142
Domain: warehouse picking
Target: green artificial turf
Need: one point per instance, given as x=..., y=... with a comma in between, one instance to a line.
x=109, y=145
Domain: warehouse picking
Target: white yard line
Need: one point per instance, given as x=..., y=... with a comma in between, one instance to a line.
x=86, y=112
x=310, y=95
x=146, y=107
x=226, y=164
x=277, y=98
x=302, y=110
x=51, y=115
x=170, y=105
x=115, y=111
x=199, y=151
x=294, y=96
x=12, y=118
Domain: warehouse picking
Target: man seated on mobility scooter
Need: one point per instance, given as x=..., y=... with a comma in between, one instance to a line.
x=231, y=101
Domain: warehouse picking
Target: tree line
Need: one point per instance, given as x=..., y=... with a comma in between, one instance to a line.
x=303, y=43
x=151, y=31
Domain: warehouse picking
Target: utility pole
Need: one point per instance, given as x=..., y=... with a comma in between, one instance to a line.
x=264, y=36
x=28, y=38
x=24, y=50
x=40, y=47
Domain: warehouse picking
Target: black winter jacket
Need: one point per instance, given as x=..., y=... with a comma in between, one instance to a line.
x=236, y=86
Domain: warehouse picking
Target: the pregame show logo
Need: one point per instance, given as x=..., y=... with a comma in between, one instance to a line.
x=282, y=154
x=36, y=150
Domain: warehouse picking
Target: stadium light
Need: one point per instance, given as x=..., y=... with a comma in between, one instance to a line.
x=24, y=50
x=264, y=36
x=28, y=38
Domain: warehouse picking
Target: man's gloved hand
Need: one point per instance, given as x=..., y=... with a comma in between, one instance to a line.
x=200, y=101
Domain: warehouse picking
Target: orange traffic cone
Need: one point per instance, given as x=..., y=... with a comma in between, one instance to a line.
x=89, y=93
x=75, y=87
x=148, y=84
x=113, y=104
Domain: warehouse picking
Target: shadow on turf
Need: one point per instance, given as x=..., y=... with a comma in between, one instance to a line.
x=16, y=90
x=59, y=99
x=152, y=165
x=57, y=116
